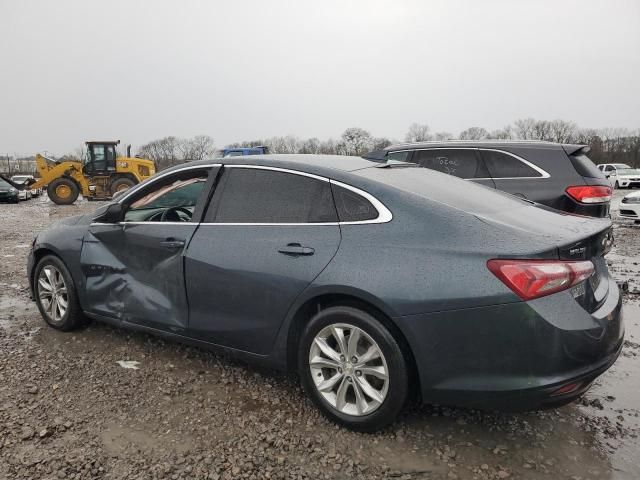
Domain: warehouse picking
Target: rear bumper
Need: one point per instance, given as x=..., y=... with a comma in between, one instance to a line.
x=515, y=356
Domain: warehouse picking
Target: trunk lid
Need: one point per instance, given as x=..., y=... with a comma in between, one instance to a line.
x=569, y=237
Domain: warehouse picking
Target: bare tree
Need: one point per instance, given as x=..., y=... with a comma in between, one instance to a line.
x=542, y=130
x=380, y=143
x=417, y=133
x=355, y=141
x=199, y=147
x=474, y=133
x=524, y=128
x=440, y=136
x=310, y=145
x=506, y=133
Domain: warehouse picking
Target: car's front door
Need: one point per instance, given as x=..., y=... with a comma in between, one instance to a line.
x=266, y=236
x=134, y=269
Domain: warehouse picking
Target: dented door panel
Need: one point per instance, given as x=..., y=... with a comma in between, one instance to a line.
x=134, y=273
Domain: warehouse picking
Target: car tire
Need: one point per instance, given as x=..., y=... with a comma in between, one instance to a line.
x=56, y=295
x=120, y=184
x=617, y=185
x=63, y=191
x=372, y=383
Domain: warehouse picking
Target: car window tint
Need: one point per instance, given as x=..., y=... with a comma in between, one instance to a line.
x=401, y=156
x=267, y=196
x=459, y=163
x=351, y=206
x=502, y=165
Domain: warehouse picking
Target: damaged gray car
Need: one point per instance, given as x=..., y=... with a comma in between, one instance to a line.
x=373, y=281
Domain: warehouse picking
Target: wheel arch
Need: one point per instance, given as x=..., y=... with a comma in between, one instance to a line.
x=321, y=301
x=38, y=255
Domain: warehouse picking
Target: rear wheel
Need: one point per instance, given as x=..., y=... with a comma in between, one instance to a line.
x=353, y=368
x=121, y=184
x=56, y=295
x=63, y=191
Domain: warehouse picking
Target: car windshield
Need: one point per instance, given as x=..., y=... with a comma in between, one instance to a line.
x=628, y=171
x=4, y=184
x=19, y=178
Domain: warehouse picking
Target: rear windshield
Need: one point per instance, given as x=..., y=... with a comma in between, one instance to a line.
x=444, y=188
x=584, y=166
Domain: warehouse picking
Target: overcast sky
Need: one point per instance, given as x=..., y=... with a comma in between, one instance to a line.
x=77, y=70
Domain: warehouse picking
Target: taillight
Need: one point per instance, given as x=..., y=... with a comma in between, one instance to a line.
x=531, y=279
x=590, y=193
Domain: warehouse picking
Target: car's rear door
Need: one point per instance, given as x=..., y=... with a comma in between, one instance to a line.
x=134, y=269
x=267, y=234
x=460, y=162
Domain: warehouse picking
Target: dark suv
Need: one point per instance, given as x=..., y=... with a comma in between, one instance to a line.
x=560, y=176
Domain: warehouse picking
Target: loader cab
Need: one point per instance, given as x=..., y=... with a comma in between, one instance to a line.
x=100, y=158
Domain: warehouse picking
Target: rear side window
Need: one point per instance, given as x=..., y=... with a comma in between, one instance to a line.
x=584, y=166
x=353, y=207
x=460, y=163
x=502, y=165
x=267, y=196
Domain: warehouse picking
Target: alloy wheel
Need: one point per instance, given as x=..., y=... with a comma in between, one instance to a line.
x=52, y=293
x=349, y=369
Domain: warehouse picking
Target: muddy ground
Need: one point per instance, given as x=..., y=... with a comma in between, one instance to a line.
x=68, y=410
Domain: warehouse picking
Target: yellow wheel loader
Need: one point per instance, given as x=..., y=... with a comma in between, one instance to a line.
x=98, y=177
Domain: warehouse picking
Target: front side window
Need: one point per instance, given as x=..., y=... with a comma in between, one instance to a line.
x=249, y=195
x=172, y=201
x=459, y=163
x=502, y=165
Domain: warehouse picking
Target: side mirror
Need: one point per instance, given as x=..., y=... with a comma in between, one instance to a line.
x=112, y=213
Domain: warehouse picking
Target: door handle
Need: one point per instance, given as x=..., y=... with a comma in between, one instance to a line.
x=172, y=243
x=295, y=250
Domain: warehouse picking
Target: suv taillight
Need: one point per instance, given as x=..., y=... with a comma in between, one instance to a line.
x=531, y=279
x=590, y=193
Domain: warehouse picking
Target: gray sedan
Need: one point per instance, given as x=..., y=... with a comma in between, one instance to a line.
x=372, y=280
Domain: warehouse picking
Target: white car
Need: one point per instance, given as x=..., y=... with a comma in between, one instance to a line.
x=36, y=192
x=621, y=175
x=630, y=206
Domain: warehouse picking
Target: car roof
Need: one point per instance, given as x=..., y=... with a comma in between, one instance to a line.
x=480, y=143
x=319, y=164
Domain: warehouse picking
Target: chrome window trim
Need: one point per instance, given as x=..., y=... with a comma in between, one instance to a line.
x=543, y=173
x=384, y=214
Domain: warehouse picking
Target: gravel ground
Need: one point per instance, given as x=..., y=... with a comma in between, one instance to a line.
x=68, y=410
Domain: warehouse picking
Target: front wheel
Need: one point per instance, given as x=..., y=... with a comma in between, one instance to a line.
x=56, y=294
x=121, y=184
x=63, y=191
x=353, y=368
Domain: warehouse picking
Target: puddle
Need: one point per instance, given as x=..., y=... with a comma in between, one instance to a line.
x=619, y=392
x=13, y=307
